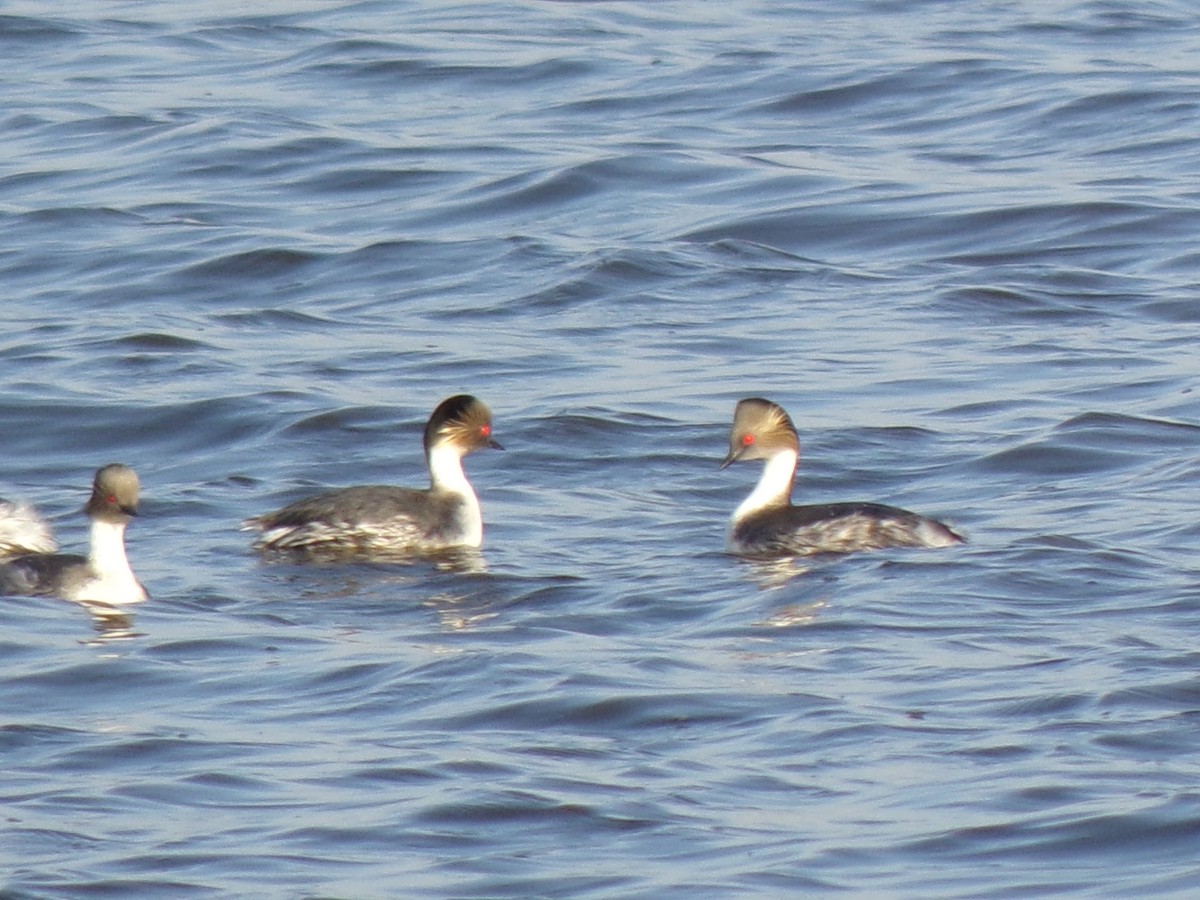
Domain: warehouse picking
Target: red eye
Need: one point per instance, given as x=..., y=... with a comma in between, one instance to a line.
x=111, y=498
x=747, y=440
x=485, y=430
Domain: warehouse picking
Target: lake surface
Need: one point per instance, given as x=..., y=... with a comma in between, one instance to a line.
x=247, y=252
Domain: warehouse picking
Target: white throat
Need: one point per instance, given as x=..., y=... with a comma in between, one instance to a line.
x=446, y=470
x=774, y=486
x=446, y=474
x=113, y=580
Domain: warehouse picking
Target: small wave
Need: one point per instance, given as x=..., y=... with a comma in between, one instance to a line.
x=18, y=30
x=1054, y=459
x=265, y=263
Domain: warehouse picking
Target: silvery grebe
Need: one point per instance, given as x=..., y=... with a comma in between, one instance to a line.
x=104, y=575
x=387, y=520
x=767, y=524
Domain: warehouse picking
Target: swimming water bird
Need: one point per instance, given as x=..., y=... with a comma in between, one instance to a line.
x=767, y=524
x=22, y=530
x=380, y=519
x=104, y=575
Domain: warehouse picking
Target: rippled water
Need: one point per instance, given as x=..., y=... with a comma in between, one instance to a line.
x=247, y=253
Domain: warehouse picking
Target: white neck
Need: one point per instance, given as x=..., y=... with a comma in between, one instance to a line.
x=114, y=581
x=774, y=487
x=446, y=470
x=446, y=474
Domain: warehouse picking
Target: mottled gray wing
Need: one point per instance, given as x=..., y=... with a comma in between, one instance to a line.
x=43, y=574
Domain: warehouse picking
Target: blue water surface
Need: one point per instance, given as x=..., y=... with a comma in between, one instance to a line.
x=247, y=250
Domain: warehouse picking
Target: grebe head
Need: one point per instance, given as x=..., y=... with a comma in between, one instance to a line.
x=761, y=429
x=462, y=422
x=114, y=494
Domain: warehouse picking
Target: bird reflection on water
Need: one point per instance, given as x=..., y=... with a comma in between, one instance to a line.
x=109, y=623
